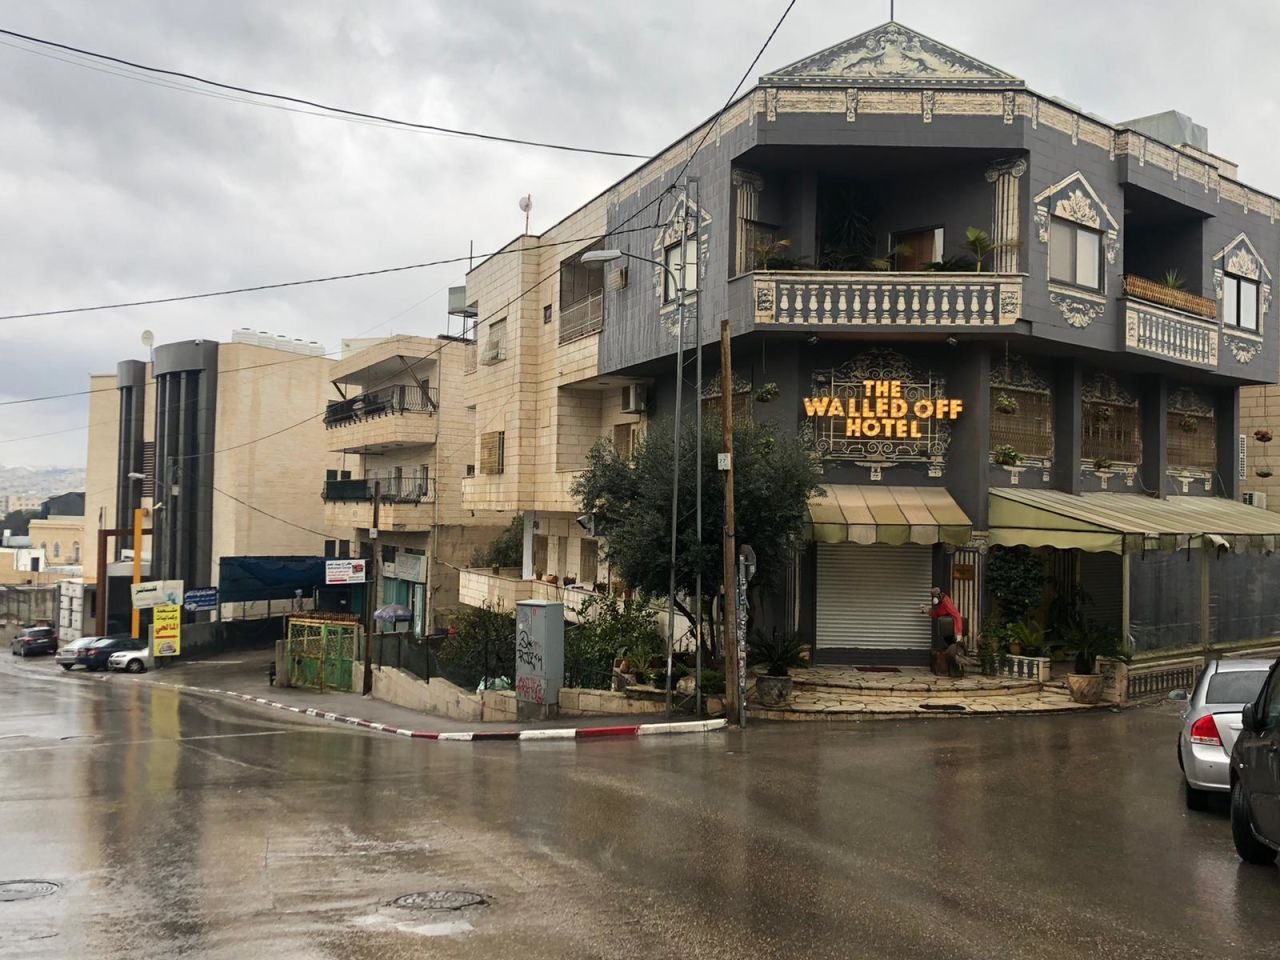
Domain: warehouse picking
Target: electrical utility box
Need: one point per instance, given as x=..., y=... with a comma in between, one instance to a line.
x=539, y=658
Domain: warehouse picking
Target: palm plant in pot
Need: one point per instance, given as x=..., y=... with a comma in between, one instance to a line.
x=1090, y=640
x=777, y=652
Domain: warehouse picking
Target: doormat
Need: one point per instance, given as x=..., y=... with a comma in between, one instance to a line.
x=877, y=669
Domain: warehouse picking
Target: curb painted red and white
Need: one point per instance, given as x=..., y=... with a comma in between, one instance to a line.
x=545, y=733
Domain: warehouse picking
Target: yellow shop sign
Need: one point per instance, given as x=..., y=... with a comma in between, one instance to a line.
x=883, y=410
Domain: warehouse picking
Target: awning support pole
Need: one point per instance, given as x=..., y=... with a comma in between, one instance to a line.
x=1124, y=601
x=1204, y=599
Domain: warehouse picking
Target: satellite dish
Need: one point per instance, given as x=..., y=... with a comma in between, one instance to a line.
x=148, y=338
x=526, y=203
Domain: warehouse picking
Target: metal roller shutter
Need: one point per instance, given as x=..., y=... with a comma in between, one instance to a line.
x=870, y=596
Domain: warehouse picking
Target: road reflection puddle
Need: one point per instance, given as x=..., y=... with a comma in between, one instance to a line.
x=440, y=928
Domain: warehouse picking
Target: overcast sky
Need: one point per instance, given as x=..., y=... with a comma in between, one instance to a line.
x=111, y=189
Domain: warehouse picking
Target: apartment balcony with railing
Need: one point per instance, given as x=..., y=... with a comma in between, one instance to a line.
x=1163, y=321
x=406, y=501
x=401, y=415
x=583, y=318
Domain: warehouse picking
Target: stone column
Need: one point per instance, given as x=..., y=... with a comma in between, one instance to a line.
x=1007, y=213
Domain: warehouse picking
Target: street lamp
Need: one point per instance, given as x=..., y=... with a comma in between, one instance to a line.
x=608, y=256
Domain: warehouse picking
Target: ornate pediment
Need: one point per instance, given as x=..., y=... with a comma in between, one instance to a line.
x=1075, y=199
x=1241, y=258
x=891, y=55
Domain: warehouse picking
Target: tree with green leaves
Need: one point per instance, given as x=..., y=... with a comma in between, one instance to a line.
x=774, y=477
x=505, y=550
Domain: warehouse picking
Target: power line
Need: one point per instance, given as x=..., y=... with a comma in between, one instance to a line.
x=246, y=503
x=282, y=285
x=357, y=115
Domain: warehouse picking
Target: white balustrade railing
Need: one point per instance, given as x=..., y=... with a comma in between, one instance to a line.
x=887, y=299
x=1170, y=333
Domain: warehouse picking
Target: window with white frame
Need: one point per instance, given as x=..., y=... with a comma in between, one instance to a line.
x=684, y=271
x=1075, y=254
x=1239, y=302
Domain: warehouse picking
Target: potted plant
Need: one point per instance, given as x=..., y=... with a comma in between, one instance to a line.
x=1188, y=423
x=1026, y=638
x=1006, y=455
x=1090, y=640
x=1102, y=413
x=777, y=652
x=1102, y=463
x=1006, y=404
x=1173, y=279
x=1262, y=435
x=767, y=393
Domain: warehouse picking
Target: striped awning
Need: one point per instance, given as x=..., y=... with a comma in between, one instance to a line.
x=1127, y=522
x=893, y=515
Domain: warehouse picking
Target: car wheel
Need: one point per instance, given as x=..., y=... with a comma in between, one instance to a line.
x=65, y=666
x=135, y=666
x=1250, y=848
x=1196, y=799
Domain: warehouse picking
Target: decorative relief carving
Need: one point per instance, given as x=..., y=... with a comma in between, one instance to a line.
x=1078, y=207
x=1011, y=302
x=1077, y=312
x=892, y=53
x=711, y=388
x=1014, y=167
x=1111, y=245
x=771, y=104
x=1042, y=223
x=1243, y=264
x=926, y=105
x=1245, y=351
x=851, y=98
x=1217, y=284
x=1104, y=388
x=1190, y=401
x=764, y=299
x=1009, y=101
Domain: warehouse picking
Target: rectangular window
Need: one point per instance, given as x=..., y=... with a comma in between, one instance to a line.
x=1240, y=302
x=495, y=347
x=1075, y=254
x=914, y=250
x=330, y=549
x=686, y=273
x=1192, y=440
x=492, y=452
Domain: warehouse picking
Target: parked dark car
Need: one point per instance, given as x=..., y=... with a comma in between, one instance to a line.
x=95, y=655
x=34, y=640
x=1255, y=776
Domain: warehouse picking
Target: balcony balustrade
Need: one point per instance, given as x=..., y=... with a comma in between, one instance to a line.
x=885, y=299
x=582, y=318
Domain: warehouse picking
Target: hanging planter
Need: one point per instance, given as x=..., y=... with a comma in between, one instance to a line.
x=1103, y=413
x=1006, y=404
x=1006, y=455
x=1188, y=423
x=1262, y=435
x=1263, y=472
x=1102, y=463
x=767, y=392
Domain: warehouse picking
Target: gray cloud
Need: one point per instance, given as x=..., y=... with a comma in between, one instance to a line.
x=116, y=190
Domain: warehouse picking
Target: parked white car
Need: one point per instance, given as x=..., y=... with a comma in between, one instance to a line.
x=131, y=661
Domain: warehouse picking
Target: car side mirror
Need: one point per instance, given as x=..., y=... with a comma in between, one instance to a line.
x=1179, y=695
x=1248, y=719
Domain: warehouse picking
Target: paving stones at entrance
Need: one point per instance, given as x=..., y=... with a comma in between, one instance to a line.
x=844, y=693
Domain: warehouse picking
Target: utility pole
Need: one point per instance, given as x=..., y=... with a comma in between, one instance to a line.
x=138, y=514
x=695, y=203
x=729, y=606
x=371, y=591
x=683, y=279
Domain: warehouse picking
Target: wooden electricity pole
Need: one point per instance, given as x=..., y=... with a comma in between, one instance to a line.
x=371, y=591
x=729, y=606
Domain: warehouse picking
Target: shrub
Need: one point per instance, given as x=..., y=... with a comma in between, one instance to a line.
x=607, y=629
x=505, y=550
x=1016, y=579
x=482, y=644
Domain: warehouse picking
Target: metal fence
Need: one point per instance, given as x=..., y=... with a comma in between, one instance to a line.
x=584, y=317
x=405, y=652
x=394, y=488
x=399, y=398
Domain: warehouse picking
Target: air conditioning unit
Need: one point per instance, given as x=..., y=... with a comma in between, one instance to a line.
x=1255, y=499
x=633, y=398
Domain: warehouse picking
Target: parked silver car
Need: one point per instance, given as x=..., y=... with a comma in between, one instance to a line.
x=1211, y=723
x=67, y=654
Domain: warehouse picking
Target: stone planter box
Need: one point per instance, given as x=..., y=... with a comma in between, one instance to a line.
x=773, y=691
x=1024, y=668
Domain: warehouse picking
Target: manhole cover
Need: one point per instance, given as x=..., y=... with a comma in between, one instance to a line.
x=440, y=900
x=11, y=890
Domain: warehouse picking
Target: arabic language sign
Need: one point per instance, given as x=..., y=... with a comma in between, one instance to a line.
x=343, y=571
x=166, y=636
x=156, y=593
x=201, y=598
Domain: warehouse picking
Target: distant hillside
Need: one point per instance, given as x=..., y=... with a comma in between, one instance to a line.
x=40, y=481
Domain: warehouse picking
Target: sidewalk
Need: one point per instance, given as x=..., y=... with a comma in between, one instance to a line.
x=243, y=676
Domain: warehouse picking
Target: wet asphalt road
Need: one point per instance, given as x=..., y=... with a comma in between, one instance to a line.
x=181, y=825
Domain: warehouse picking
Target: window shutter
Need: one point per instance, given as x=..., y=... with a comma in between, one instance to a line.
x=491, y=452
x=1242, y=459
x=149, y=468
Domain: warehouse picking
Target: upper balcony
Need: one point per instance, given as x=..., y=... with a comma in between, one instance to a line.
x=863, y=300
x=401, y=415
x=1161, y=320
x=406, y=502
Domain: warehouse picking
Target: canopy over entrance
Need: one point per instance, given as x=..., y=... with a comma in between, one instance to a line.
x=1127, y=523
x=892, y=515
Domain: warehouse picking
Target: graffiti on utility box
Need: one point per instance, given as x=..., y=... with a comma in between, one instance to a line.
x=539, y=652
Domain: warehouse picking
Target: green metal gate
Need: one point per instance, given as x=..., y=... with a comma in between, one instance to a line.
x=321, y=653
